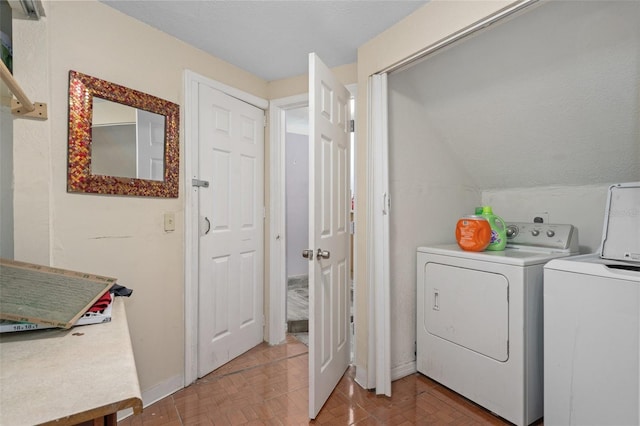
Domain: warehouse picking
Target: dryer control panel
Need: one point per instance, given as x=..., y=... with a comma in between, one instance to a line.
x=547, y=236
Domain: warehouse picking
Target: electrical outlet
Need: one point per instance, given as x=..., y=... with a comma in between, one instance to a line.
x=169, y=222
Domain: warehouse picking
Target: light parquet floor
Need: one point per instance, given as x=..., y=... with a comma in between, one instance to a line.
x=269, y=386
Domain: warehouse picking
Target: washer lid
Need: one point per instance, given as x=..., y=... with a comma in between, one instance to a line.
x=593, y=264
x=621, y=233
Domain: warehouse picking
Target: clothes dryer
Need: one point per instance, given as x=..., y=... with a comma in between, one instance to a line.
x=479, y=318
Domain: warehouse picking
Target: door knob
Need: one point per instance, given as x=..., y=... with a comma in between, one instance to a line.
x=323, y=254
x=307, y=254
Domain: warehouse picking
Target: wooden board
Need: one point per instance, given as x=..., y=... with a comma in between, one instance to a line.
x=45, y=295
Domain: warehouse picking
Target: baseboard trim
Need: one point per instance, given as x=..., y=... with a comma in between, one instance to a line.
x=403, y=370
x=361, y=377
x=156, y=393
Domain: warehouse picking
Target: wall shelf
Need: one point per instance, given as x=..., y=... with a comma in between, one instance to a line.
x=22, y=107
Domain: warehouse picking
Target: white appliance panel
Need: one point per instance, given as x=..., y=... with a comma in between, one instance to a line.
x=468, y=307
x=621, y=233
x=513, y=388
x=591, y=344
x=461, y=342
x=519, y=256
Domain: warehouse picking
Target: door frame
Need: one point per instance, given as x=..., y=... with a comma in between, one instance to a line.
x=277, y=230
x=191, y=82
x=277, y=235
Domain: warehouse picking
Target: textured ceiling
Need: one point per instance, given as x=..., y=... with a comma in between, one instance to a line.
x=272, y=39
x=547, y=98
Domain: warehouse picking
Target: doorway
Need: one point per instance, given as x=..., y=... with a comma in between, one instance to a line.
x=197, y=224
x=297, y=221
x=333, y=180
x=230, y=147
x=289, y=125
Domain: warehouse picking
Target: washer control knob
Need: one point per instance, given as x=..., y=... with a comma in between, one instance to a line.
x=512, y=231
x=550, y=233
x=535, y=232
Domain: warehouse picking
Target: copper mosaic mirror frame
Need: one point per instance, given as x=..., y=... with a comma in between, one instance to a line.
x=82, y=89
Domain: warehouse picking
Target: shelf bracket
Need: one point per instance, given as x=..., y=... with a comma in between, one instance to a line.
x=39, y=111
x=22, y=107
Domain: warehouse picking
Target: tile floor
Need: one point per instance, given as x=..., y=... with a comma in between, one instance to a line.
x=298, y=298
x=298, y=307
x=269, y=386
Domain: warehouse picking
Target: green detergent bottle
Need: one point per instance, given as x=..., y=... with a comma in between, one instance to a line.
x=498, y=229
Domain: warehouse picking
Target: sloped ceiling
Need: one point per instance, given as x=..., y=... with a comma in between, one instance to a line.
x=272, y=38
x=550, y=97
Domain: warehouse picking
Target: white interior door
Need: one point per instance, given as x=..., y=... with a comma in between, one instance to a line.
x=230, y=294
x=150, y=145
x=329, y=348
x=378, y=216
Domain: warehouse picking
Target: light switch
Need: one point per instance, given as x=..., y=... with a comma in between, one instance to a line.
x=169, y=222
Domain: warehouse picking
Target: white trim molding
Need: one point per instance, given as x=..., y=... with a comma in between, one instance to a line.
x=191, y=83
x=155, y=394
x=277, y=230
x=277, y=237
x=404, y=370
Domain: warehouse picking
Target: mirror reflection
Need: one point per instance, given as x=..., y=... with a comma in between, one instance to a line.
x=126, y=141
x=121, y=141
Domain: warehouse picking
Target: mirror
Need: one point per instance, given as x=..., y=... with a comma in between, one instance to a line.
x=121, y=141
x=126, y=141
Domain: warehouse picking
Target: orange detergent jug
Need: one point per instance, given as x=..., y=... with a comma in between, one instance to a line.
x=473, y=233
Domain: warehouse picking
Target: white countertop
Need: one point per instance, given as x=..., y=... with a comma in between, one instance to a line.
x=68, y=376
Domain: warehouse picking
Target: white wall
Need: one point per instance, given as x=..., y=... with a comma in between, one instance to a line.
x=6, y=150
x=297, y=202
x=539, y=114
x=6, y=177
x=32, y=145
x=115, y=236
x=582, y=206
x=429, y=192
x=546, y=98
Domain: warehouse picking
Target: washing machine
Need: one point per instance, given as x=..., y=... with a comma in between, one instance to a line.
x=591, y=342
x=479, y=318
x=592, y=324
